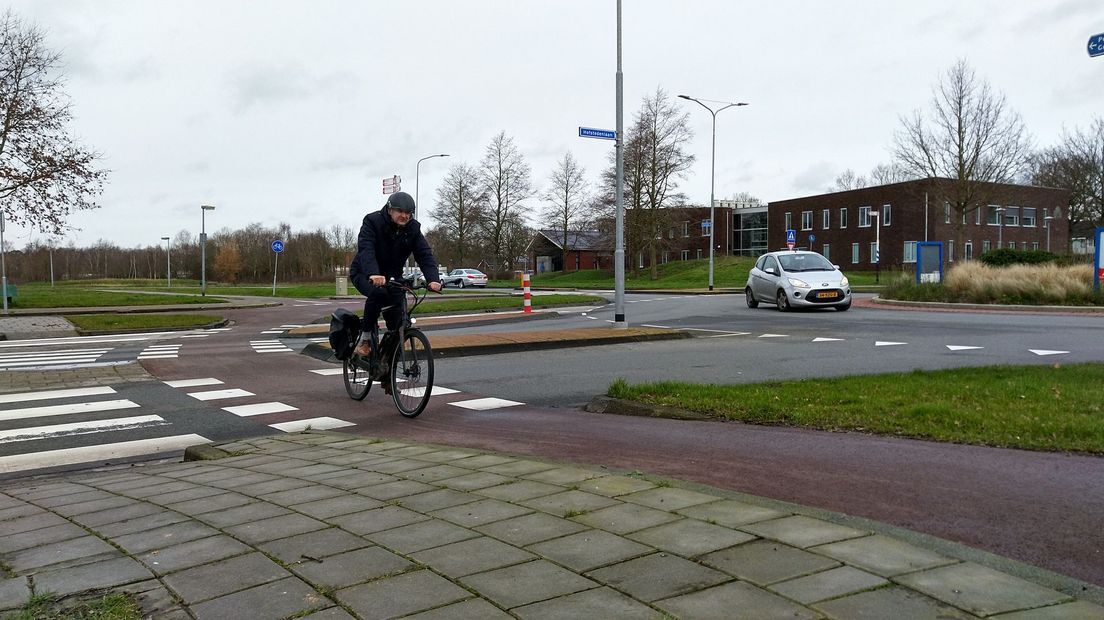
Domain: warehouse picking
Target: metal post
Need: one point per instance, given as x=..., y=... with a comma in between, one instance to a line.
x=203, y=248
x=1000, y=227
x=3, y=265
x=51, y=264
x=168, y=259
x=877, y=246
x=619, y=157
x=712, y=176
x=1046, y=220
x=417, y=175
x=275, y=266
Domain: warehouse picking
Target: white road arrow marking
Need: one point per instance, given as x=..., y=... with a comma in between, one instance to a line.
x=774, y=336
x=827, y=339
x=883, y=343
x=1046, y=352
x=956, y=347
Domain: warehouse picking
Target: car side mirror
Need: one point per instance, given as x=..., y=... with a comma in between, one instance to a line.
x=837, y=267
x=771, y=271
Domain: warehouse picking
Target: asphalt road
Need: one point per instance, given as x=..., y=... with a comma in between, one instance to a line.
x=1043, y=509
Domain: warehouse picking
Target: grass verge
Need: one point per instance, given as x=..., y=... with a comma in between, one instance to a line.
x=1055, y=408
x=113, y=606
x=443, y=304
x=39, y=295
x=158, y=320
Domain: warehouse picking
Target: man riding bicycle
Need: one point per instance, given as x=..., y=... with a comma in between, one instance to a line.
x=387, y=239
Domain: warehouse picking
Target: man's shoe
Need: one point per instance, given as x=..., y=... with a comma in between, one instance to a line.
x=385, y=383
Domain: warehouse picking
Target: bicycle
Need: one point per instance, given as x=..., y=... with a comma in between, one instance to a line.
x=406, y=360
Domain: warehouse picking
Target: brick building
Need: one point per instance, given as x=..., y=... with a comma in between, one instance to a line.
x=841, y=225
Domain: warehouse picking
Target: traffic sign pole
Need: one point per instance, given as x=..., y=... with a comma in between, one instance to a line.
x=277, y=247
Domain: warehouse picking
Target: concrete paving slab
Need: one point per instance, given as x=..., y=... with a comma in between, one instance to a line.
x=802, y=531
x=400, y=595
x=192, y=553
x=286, y=598
x=589, y=550
x=625, y=518
x=162, y=537
x=764, y=562
x=18, y=509
x=979, y=589
x=895, y=602
x=353, y=567
x=614, y=486
x=331, y=613
x=395, y=490
x=658, y=576
x=563, y=476
x=668, y=498
x=211, y=503
x=475, y=481
x=377, y=520
x=1079, y=610
x=883, y=556
x=256, y=511
x=335, y=506
x=522, y=584
x=140, y=524
x=520, y=468
x=597, y=603
x=75, y=510
x=19, y=525
x=355, y=479
x=216, y=579
x=255, y=532
x=117, y=515
x=529, y=529
x=55, y=502
x=104, y=574
x=483, y=461
x=437, y=500
x=690, y=537
x=42, y=536
x=75, y=549
x=569, y=503
x=519, y=490
x=433, y=473
x=831, y=583
x=313, y=546
x=423, y=535
x=464, y=610
x=472, y=556
x=480, y=512
x=14, y=593
x=302, y=494
x=734, y=601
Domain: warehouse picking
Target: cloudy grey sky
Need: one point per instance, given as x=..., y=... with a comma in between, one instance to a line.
x=294, y=111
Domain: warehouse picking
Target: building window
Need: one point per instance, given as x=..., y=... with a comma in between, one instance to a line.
x=806, y=220
x=992, y=216
x=825, y=252
x=910, y=252
x=1011, y=216
x=946, y=213
x=671, y=233
x=789, y=221
x=1034, y=245
x=705, y=226
x=855, y=253
x=986, y=246
x=864, y=217
x=874, y=253
x=825, y=219
x=843, y=217
x=968, y=250
x=663, y=258
x=1011, y=245
x=686, y=255
x=699, y=254
x=686, y=228
x=950, y=251
x=886, y=212
x=1029, y=217
x=640, y=260
x=977, y=216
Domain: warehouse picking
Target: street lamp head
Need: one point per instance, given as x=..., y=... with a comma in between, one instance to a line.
x=164, y=238
x=684, y=97
x=207, y=207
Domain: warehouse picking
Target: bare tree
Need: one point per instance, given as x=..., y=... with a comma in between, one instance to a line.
x=885, y=174
x=848, y=180
x=567, y=198
x=746, y=198
x=507, y=184
x=461, y=210
x=1077, y=164
x=44, y=174
x=971, y=137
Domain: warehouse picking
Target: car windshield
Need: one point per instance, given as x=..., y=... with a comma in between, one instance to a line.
x=804, y=262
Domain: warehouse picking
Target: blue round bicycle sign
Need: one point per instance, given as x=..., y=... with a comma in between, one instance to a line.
x=277, y=246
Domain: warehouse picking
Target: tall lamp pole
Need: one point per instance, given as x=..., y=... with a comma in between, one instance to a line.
x=1000, y=227
x=168, y=259
x=417, y=173
x=1046, y=220
x=203, y=248
x=877, y=247
x=712, y=172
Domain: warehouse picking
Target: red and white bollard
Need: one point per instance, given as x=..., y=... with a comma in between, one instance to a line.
x=528, y=298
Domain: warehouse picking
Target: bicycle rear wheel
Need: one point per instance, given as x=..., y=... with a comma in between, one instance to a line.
x=357, y=381
x=412, y=374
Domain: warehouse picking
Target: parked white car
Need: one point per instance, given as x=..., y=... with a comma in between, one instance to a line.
x=797, y=279
x=465, y=277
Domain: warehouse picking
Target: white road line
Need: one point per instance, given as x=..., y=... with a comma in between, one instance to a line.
x=220, y=329
x=437, y=391
x=41, y=412
x=827, y=339
x=773, y=336
x=328, y=372
x=273, y=331
x=259, y=409
x=319, y=424
x=289, y=326
x=48, y=394
x=79, y=428
x=656, y=326
x=158, y=356
x=182, y=383
x=37, y=363
x=484, y=404
x=729, y=335
x=74, y=340
x=958, y=347
x=284, y=350
x=46, y=354
x=219, y=394
x=196, y=336
x=111, y=451
x=882, y=343
x=1046, y=352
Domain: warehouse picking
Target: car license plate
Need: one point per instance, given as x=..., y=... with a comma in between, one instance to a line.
x=828, y=295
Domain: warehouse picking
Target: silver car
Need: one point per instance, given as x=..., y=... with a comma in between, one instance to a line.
x=797, y=279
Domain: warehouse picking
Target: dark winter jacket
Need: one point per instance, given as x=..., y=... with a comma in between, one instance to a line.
x=383, y=247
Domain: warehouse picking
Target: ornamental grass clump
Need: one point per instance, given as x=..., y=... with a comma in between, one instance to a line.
x=1021, y=284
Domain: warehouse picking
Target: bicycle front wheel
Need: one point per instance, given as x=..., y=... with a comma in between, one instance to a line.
x=412, y=374
x=357, y=381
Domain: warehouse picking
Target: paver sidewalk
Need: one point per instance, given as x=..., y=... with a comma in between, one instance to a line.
x=324, y=525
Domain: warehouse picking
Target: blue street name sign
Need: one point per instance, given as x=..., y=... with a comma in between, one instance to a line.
x=604, y=134
x=1096, y=45
x=277, y=246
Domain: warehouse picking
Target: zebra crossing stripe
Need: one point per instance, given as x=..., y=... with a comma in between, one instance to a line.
x=328, y=372
x=79, y=428
x=484, y=404
x=46, y=354
x=103, y=452
x=47, y=362
x=217, y=394
x=259, y=409
x=180, y=383
x=158, y=356
x=40, y=412
x=49, y=394
x=318, y=424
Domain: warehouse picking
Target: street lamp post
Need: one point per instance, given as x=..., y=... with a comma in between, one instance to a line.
x=1000, y=227
x=417, y=173
x=877, y=247
x=712, y=172
x=1046, y=220
x=203, y=248
x=168, y=259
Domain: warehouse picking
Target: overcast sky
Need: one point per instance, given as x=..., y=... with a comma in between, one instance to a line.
x=281, y=111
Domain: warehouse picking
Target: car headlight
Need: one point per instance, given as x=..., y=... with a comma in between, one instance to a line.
x=844, y=282
x=798, y=283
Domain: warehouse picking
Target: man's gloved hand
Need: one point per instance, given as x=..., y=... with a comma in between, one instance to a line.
x=377, y=280
x=435, y=287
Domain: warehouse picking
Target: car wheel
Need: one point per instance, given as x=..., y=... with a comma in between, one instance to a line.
x=460, y=284
x=752, y=302
x=844, y=307
x=783, y=301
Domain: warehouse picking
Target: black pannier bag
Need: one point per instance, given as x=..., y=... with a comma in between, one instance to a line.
x=344, y=331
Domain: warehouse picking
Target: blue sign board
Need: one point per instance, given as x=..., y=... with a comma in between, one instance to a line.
x=277, y=246
x=812, y=238
x=1096, y=45
x=1098, y=259
x=791, y=236
x=604, y=134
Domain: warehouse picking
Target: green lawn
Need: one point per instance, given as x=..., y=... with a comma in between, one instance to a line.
x=1031, y=407
x=42, y=295
x=136, y=321
x=443, y=304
